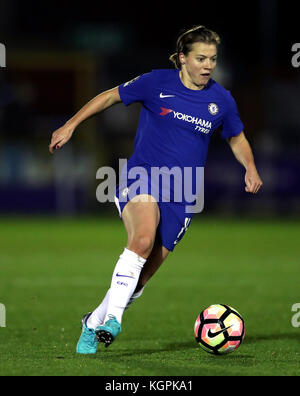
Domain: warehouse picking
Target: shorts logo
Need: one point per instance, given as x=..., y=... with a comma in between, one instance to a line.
x=213, y=109
x=187, y=222
x=125, y=192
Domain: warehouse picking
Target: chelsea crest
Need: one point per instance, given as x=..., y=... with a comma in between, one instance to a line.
x=213, y=109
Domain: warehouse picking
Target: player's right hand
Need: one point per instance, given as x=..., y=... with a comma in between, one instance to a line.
x=60, y=137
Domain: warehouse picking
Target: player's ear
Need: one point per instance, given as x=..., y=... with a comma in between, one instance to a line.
x=182, y=58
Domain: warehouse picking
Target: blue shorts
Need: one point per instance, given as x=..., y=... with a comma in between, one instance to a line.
x=174, y=221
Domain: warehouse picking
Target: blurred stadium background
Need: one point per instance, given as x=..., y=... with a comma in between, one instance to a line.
x=59, y=56
x=56, y=257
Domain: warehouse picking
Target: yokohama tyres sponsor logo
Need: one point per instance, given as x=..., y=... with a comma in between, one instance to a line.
x=201, y=125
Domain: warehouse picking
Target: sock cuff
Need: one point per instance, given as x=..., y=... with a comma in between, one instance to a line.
x=130, y=255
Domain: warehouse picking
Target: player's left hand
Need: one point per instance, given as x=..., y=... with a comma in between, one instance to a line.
x=253, y=181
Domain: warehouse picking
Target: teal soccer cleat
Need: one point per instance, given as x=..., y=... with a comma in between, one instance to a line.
x=88, y=342
x=107, y=332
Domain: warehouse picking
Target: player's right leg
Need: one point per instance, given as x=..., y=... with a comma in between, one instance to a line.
x=141, y=218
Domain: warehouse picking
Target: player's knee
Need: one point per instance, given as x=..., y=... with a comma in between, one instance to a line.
x=142, y=244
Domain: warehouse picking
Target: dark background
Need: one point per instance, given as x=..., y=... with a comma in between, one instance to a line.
x=61, y=54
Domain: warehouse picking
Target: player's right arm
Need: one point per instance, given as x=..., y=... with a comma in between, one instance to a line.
x=101, y=102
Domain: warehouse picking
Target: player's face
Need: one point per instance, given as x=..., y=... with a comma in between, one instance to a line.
x=198, y=65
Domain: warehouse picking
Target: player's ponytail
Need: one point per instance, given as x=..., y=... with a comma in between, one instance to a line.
x=175, y=60
x=198, y=34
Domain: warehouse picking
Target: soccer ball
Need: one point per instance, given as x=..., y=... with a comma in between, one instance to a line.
x=219, y=329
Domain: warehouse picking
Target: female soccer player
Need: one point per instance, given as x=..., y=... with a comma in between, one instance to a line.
x=181, y=109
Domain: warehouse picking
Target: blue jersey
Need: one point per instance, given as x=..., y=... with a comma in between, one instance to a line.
x=176, y=123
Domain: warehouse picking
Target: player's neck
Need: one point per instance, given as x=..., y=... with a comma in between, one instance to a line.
x=188, y=83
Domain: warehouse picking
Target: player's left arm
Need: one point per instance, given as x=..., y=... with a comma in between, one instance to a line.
x=243, y=153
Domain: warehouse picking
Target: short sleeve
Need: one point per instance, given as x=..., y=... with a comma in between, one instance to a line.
x=136, y=90
x=232, y=124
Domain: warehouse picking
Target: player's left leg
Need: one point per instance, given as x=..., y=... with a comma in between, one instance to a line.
x=157, y=256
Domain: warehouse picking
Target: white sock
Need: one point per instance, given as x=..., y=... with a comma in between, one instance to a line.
x=98, y=315
x=124, y=280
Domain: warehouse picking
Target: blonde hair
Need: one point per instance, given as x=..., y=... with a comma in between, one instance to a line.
x=198, y=34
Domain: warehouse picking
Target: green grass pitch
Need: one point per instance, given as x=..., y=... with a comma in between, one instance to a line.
x=53, y=271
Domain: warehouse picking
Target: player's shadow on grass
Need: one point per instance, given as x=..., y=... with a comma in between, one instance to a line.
x=193, y=345
x=272, y=337
x=167, y=348
x=179, y=346
x=174, y=347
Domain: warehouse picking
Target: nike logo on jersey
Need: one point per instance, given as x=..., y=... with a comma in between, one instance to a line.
x=166, y=96
x=215, y=334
